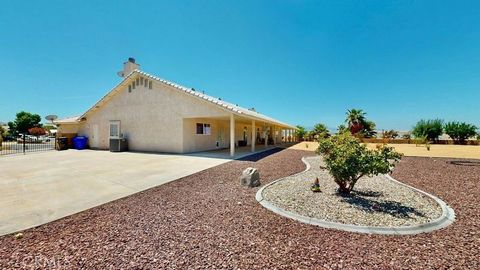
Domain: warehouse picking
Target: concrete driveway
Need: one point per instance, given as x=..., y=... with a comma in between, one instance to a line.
x=39, y=188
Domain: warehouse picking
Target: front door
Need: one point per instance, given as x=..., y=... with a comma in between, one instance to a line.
x=94, y=138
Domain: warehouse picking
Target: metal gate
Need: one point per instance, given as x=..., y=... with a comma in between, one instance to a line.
x=27, y=143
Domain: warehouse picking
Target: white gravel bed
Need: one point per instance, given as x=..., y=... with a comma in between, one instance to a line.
x=375, y=201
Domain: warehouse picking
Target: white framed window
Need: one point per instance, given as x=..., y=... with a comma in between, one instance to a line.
x=203, y=129
x=115, y=129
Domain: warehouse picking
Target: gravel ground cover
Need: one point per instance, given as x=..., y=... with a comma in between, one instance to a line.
x=375, y=201
x=208, y=221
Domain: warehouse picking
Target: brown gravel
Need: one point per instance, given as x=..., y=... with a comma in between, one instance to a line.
x=396, y=205
x=209, y=221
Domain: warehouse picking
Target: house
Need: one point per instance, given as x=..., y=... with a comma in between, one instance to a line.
x=157, y=115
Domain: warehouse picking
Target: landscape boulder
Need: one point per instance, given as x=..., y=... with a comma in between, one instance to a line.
x=250, y=177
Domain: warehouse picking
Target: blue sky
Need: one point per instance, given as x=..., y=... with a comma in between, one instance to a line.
x=302, y=62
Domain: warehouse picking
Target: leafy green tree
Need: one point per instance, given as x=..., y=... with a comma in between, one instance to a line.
x=2, y=136
x=301, y=132
x=348, y=160
x=23, y=122
x=3, y=132
x=432, y=129
x=460, y=132
x=320, y=131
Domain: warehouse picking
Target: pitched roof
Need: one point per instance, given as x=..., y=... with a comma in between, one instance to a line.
x=67, y=120
x=190, y=91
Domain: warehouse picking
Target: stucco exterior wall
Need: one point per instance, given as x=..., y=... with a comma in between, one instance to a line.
x=220, y=132
x=151, y=119
x=68, y=128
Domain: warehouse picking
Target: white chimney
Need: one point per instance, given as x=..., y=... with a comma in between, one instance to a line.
x=128, y=67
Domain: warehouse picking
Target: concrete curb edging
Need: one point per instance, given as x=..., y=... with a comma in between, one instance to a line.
x=447, y=217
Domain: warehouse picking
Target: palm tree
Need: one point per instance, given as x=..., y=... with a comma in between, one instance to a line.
x=355, y=120
x=320, y=131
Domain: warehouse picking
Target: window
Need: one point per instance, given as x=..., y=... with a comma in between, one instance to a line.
x=203, y=129
x=129, y=89
x=114, y=129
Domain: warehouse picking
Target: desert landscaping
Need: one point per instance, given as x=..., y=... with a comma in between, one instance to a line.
x=202, y=229
x=240, y=135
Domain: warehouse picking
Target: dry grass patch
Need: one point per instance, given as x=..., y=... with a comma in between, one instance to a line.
x=436, y=150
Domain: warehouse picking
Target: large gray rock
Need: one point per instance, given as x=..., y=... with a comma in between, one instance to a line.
x=250, y=177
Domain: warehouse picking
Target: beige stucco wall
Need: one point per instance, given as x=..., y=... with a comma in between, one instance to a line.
x=220, y=131
x=151, y=119
x=68, y=128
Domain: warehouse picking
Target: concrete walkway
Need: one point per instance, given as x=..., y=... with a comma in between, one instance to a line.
x=39, y=188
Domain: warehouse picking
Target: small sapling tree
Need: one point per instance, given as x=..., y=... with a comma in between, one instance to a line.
x=348, y=160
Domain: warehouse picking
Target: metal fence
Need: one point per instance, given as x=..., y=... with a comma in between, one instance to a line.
x=26, y=144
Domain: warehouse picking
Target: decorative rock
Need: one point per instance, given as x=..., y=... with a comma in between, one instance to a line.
x=18, y=236
x=250, y=177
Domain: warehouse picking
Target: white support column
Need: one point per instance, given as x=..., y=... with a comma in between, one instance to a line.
x=274, y=135
x=254, y=137
x=232, y=135
x=265, y=128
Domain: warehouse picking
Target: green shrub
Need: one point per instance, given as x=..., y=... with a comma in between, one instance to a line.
x=348, y=160
x=460, y=132
x=390, y=134
x=432, y=129
x=407, y=136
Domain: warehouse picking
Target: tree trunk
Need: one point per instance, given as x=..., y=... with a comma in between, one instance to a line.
x=344, y=187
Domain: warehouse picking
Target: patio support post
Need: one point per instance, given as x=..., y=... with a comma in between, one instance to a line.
x=232, y=135
x=274, y=135
x=266, y=135
x=254, y=132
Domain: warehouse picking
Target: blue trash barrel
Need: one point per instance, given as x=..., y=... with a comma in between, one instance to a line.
x=80, y=142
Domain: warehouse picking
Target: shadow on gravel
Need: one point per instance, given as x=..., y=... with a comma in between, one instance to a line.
x=392, y=208
x=367, y=193
x=464, y=163
x=257, y=157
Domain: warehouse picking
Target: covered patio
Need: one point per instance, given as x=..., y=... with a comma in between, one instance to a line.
x=240, y=152
x=236, y=134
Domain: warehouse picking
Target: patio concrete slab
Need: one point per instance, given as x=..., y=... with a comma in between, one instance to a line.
x=39, y=188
